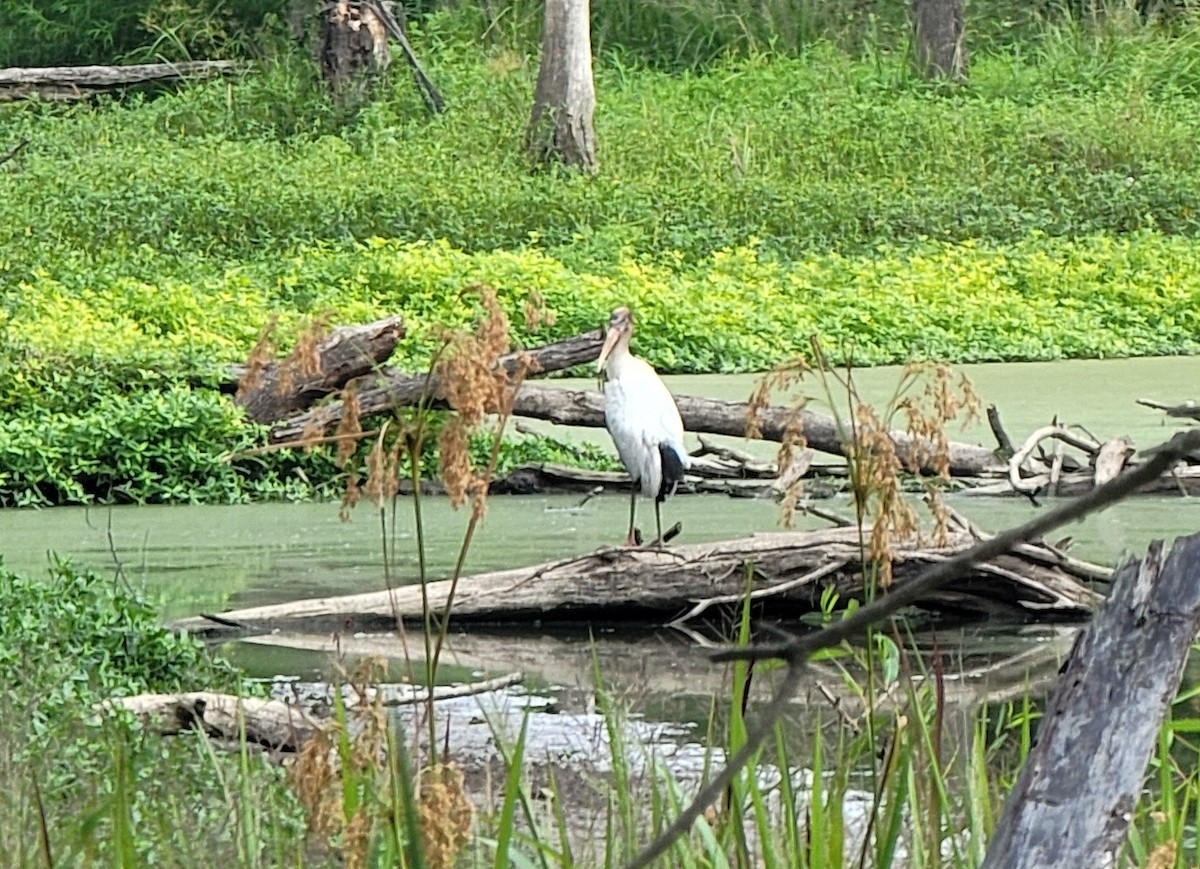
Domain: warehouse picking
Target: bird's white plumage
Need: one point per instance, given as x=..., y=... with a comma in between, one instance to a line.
x=640, y=414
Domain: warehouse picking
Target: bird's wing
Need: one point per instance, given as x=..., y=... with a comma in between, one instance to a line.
x=664, y=422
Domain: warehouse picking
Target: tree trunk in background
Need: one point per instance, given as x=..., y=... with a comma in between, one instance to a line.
x=939, y=38
x=354, y=44
x=561, y=125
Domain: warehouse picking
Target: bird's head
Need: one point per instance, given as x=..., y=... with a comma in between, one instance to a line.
x=620, y=327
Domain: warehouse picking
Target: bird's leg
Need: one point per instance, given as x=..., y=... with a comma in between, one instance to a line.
x=632, y=540
x=658, y=541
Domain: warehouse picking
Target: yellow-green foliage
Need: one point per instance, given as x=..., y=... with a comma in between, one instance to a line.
x=736, y=310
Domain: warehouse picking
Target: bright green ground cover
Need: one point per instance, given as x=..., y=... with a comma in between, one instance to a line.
x=1048, y=210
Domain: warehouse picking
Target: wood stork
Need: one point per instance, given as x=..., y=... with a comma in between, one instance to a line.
x=643, y=420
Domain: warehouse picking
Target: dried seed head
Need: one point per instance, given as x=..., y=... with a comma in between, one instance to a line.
x=261, y=357
x=349, y=427
x=382, y=471
x=537, y=313
x=454, y=460
x=445, y=815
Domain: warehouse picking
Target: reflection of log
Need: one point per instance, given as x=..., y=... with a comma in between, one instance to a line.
x=1073, y=801
x=668, y=665
x=276, y=389
x=272, y=723
x=788, y=571
x=79, y=82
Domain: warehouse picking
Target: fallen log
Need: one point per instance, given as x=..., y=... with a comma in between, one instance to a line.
x=276, y=389
x=317, y=697
x=298, y=711
x=786, y=571
x=80, y=82
x=1074, y=799
x=274, y=724
x=573, y=407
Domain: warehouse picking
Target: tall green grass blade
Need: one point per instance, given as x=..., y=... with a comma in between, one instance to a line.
x=512, y=795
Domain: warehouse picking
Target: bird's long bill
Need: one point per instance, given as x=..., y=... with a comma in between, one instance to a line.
x=609, y=343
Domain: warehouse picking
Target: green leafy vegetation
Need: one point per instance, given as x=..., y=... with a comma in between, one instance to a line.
x=1047, y=210
x=105, y=789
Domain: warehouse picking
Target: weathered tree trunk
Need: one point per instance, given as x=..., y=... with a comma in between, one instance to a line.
x=1074, y=799
x=354, y=44
x=617, y=585
x=80, y=82
x=560, y=127
x=939, y=38
x=275, y=389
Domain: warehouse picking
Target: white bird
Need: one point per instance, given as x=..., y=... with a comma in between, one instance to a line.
x=642, y=418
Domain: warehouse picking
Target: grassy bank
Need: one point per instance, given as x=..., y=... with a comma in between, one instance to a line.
x=1045, y=211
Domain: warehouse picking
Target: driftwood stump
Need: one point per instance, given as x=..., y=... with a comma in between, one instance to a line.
x=1074, y=799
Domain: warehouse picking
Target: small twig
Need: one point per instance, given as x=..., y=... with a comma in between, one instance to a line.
x=589, y=496
x=835, y=519
x=796, y=652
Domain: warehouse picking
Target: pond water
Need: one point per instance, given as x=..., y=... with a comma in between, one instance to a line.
x=209, y=558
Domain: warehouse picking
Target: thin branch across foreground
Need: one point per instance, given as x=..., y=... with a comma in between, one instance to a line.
x=797, y=651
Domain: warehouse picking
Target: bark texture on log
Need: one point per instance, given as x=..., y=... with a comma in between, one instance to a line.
x=277, y=389
x=789, y=571
x=270, y=723
x=397, y=389
x=939, y=38
x=80, y=82
x=1074, y=799
x=560, y=127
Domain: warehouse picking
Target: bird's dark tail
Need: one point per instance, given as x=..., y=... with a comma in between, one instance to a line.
x=672, y=471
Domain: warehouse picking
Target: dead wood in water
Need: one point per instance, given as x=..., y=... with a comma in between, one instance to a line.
x=1187, y=410
x=1074, y=799
x=579, y=408
x=80, y=82
x=393, y=389
x=280, y=724
x=788, y=570
x=277, y=389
